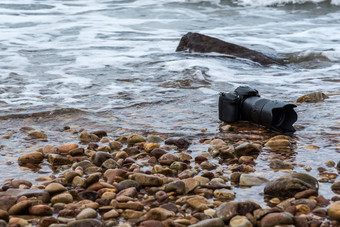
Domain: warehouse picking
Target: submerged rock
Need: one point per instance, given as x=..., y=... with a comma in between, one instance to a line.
x=288, y=186
x=251, y=180
x=205, y=44
x=313, y=97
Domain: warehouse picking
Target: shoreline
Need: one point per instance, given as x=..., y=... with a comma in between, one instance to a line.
x=161, y=180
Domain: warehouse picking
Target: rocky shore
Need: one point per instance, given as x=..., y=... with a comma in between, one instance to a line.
x=154, y=180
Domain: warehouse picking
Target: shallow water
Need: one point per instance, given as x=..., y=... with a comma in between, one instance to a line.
x=112, y=65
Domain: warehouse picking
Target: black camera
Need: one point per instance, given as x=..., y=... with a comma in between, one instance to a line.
x=245, y=103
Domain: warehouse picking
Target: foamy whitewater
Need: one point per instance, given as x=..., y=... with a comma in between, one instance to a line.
x=114, y=63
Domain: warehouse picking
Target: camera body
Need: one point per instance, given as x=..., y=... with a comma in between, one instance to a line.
x=245, y=103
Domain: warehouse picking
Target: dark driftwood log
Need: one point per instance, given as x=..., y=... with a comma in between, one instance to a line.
x=204, y=44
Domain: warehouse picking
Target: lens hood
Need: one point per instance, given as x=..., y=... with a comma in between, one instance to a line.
x=273, y=114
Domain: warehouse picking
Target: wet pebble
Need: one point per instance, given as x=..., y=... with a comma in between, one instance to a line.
x=251, y=180
x=273, y=219
x=240, y=221
x=334, y=211
x=34, y=158
x=216, y=222
x=87, y=213
x=181, y=143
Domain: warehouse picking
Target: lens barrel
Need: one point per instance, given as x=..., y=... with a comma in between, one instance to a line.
x=273, y=114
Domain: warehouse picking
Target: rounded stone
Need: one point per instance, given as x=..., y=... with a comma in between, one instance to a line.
x=37, y=135
x=147, y=180
x=247, y=149
x=133, y=139
x=251, y=180
x=40, y=210
x=334, y=211
x=20, y=207
x=159, y=214
x=115, y=145
x=87, y=213
x=127, y=184
x=224, y=194
x=151, y=223
x=65, y=148
x=111, y=214
x=240, y=221
x=288, y=186
x=336, y=187
x=231, y=209
x=34, y=158
x=274, y=219
x=99, y=157
x=4, y=215
x=85, y=223
x=55, y=188
x=17, y=222
x=62, y=198
x=213, y=222
x=148, y=147
x=47, y=221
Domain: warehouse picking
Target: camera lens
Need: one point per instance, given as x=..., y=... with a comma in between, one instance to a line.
x=276, y=115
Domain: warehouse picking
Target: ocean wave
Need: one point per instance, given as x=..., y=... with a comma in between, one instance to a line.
x=283, y=2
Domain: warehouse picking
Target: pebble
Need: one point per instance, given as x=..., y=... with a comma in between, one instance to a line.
x=132, y=214
x=40, y=210
x=148, y=147
x=247, y=149
x=55, y=188
x=251, y=180
x=312, y=97
x=147, y=180
x=17, y=222
x=159, y=214
x=213, y=222
x=64, y=197
x=336, y=187
x=199, y=203
x=37, y=135
x=65, y=148
x=49, y=149
x=290, y=184
x=133, y=139
x=334, y=211
x=180, y=143
x=56, y=159
x=87, y=213
x=274, y=219
x=279, y=164
x=240, y=221
x=85, y=222
x=20, y=207
x=177, y=186
x=151, y=223
x=231, y=209
x=190, y=184
x=99, y=157
x=34, y=158
x=4, y=215
x=115, y=145
x=224, y=194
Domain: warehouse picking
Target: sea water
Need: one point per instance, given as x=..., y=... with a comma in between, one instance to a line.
x=101, y=64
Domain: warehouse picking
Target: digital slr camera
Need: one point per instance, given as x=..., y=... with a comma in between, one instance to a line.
x=245, y=103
